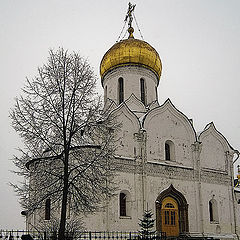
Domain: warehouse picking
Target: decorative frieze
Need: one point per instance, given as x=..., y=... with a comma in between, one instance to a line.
x=215, y=177
x=171, y=171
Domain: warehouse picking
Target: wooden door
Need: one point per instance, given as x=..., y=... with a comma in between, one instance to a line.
x=170, y=218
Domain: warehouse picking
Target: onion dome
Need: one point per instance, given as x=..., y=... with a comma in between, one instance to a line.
x=130, y=52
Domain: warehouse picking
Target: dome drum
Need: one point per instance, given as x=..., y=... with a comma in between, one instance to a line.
x=131, y=76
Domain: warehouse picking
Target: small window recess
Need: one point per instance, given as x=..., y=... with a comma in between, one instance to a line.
x=120, y=90
x=125, y=205
x=143, y=90
x=213, y=212
x=47, y=209
x=169, y=151
x=105, y=94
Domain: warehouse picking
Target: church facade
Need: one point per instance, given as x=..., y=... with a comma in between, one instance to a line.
x=163, y=165
x=186, y=179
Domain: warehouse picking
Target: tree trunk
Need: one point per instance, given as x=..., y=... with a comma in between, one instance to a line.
x=61, y=232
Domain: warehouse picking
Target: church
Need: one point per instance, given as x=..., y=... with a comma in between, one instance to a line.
x=186, y=178
x=162, y=164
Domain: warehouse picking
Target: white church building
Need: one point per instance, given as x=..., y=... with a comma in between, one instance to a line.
x=185, y=178
x=163, y=165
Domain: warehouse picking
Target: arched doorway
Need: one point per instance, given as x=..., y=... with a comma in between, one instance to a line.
x=170, y=221
x=172, y=212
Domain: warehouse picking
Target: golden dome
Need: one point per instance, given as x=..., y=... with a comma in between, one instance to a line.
x=131, y=52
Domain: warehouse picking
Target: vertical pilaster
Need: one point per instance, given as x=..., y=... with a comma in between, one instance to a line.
x=144, y=162
x=196, y=150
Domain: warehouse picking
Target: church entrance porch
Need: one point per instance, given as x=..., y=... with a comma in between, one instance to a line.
x=172, y=213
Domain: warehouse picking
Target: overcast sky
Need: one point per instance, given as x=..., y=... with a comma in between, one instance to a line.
x=198, y=42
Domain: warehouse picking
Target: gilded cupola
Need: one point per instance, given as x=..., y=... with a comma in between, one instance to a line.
x=130, y=52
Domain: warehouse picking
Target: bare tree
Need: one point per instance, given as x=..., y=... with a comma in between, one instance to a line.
x=68, y=144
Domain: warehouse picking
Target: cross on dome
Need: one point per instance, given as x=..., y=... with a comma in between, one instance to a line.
x=129, y=17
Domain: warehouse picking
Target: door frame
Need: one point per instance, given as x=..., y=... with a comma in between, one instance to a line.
x=182, y=209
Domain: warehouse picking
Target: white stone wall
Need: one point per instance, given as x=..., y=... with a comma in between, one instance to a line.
x=223, y=196
x=110, y=219
x=153, y=187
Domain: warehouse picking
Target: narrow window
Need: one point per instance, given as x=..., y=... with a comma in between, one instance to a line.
x=167, y=151
x=105, y=95
x=143, y=94
x=156, y=93
x=120, y=90
x=123, y=205
x=213, y=211
x=47, y=209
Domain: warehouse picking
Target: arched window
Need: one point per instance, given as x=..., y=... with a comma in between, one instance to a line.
x=143, y=91
x=213, y=211
x=120, y=90
x=169, y=151
x=105, y=95
x=125, y=204
x=47, y=209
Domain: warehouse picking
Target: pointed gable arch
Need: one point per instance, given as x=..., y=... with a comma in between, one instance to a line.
x=171, y=191
x=211, y=129
x=214, y=148
x=166, y=123
x=135, y=104
x=167, y=106
x=123, y=111
x=130, y=125
x=109, y=106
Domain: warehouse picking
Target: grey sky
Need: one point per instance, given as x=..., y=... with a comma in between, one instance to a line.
x=198, y=42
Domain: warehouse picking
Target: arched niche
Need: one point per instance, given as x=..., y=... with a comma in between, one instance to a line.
x=129, y=125
x=181, y=201
x=214, y=149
